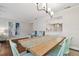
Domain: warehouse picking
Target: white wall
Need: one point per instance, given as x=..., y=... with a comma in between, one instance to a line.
x=25, y=26
x=3, y=23
x=70, y=24
x=3, y=26
x=70, y=20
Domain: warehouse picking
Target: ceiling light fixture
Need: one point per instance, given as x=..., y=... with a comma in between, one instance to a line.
x=44, y=7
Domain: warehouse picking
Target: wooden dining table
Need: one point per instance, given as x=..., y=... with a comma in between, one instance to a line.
x=39, y=46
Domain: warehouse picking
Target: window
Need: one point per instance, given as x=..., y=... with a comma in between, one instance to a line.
x=56, y=27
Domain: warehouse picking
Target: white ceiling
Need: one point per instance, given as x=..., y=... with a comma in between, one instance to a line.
x=28, y=11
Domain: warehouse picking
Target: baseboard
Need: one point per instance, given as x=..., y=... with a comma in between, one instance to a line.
x=74, y=48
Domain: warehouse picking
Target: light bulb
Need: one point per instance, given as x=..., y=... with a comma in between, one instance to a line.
x=49, y=9
x=44, y=5
x=51, y=13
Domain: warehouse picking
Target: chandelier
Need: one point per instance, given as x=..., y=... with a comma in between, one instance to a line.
x=44, y=7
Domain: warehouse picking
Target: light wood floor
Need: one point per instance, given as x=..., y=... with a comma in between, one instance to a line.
x=6, y=51
x=74, y=53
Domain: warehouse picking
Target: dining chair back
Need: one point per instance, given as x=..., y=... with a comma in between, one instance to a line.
x=61, y=50
x=16, y=52
x=13, y=48
x=65, y=47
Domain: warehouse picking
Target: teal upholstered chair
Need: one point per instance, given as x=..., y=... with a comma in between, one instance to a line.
x=67, y=45
x=61, y=50
x=15, y=51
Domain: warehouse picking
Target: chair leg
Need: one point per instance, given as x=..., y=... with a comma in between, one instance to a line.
x=66, y=54
x=0, y=46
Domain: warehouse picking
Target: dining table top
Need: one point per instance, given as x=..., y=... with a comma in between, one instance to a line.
x=41, y=45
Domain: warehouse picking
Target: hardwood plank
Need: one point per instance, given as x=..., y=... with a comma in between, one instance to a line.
x=5, y=49
x=42, y=49
x=41, y=45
